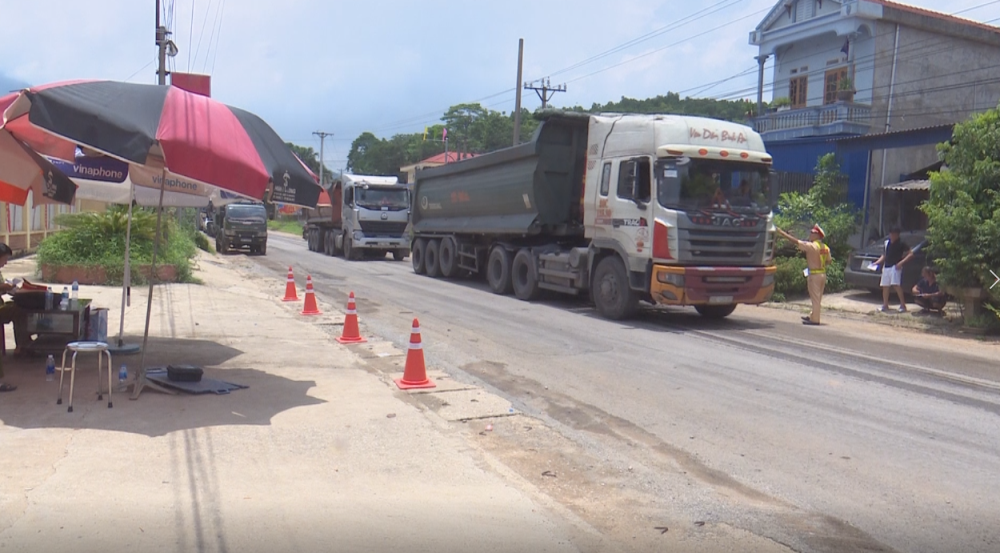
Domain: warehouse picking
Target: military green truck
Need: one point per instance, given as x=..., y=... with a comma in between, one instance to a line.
x=241, y=225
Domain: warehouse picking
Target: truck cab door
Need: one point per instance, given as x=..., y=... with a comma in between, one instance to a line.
x=631, y=210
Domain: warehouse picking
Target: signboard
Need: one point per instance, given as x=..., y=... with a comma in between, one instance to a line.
x=198, y=84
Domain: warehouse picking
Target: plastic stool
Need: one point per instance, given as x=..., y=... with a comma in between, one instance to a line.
x=85, y=347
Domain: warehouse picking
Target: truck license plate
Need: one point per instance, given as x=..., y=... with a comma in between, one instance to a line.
x=720, y=300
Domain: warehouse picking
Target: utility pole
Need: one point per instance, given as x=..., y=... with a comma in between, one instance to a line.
x=161, y=43
x=545, y=90
x=322, y=139
x=517, y=103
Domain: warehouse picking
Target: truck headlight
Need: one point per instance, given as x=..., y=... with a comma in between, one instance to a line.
x=768, y=280
x=262, y=233
x=670, y=278
x=358, y=235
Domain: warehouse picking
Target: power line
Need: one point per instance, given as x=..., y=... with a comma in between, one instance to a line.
x=211, y=37
x=190, y=36
x=218, y=38
x=201, y=33
x=672, y=26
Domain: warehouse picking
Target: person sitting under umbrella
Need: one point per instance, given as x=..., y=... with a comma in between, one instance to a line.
x=11, y=313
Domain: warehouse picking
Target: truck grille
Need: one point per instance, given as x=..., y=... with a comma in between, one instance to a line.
x=383, y=228
x=727, y=246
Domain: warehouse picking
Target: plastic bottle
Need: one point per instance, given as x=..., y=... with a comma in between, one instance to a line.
x=48, y=299
x=122, y=374
x=75, y=295
x=64, y=302
x=50, y=369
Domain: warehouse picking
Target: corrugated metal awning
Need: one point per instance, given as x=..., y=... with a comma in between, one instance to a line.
x=909, y=185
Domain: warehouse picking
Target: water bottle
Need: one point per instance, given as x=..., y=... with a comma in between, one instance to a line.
x=64, y=302
x=50, y=369
x=122, y=374
x=75, y=296
x=48, y=299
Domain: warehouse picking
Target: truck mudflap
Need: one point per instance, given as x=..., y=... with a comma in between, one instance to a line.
x=671, y=285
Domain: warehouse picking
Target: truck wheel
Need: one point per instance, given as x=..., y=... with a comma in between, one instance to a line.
x=417, y=256
x=498, y=271
x=715, y=311
x=320, y=241
x=350, y=253
x=399, y=255
x=447, y=258
x=222, y=246
x=612, y=295
x=312, y=240
x=263, y=249
x=329, y=243
x=524, y=277
x=431, y=258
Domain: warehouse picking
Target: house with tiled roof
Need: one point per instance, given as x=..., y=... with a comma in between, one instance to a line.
x=896, y=74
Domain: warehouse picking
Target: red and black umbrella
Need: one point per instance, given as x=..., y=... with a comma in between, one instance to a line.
x=23, y=170
x=197, y=138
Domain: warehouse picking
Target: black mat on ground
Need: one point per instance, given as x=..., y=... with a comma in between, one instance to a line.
x=205, y=386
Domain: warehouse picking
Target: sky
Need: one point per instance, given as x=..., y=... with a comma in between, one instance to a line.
x=345, y=67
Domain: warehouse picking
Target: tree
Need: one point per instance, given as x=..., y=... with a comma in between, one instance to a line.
x=963, y=210
x=310, y=157
x=821, y=205
x=459, y=121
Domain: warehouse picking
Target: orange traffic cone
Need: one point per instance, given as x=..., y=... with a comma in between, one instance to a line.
x=310, y=307
x=351, y=334
x=415, y=373
x=290, y=293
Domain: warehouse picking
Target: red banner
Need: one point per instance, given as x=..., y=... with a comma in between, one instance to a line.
x=198, y=84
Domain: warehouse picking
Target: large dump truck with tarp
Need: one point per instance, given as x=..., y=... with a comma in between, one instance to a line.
x=665, y=209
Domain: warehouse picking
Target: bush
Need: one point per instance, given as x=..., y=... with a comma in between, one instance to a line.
x=98, y=239
x=819, y=205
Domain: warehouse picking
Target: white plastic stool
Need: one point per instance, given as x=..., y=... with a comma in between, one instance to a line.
x=85, y=347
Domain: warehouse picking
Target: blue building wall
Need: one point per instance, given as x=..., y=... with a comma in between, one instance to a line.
x=802, y=154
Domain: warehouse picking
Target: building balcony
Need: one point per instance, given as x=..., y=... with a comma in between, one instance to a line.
x=840, y=118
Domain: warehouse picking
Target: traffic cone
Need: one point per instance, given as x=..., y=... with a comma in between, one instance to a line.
x=351, y=334
x=415, y=373
x=310, y=307
x=290, y=293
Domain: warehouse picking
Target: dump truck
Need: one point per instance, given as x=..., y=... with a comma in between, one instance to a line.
x=360, y=216
x=241, y=225
x=623, y=208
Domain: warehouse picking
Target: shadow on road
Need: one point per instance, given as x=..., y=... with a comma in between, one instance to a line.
x=33, y=403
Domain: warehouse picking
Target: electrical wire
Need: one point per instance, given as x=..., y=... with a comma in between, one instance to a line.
x=218, y=37
x=141, y=69
x=190, y=36
x=201, y=33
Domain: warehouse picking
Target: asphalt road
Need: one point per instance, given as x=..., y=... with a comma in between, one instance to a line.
x=835, y=438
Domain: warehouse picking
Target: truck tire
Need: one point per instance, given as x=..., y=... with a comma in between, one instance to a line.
x=612, y=295
x=312, y=239
x=350, y=253
x=399, y=255
x=498, y=269
x=524, y=277
x=331, y=243
x=417, y=256
x=448, y=257
x=431, y=258
x=221, y=246
x=263, y=249
x=715, y=311
x=320, y=241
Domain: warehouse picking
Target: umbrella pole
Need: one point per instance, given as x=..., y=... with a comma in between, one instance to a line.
x=121, y=348
x=141, y=380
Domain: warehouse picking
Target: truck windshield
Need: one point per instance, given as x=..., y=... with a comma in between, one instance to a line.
x=685, y=183
x=377, y=198
x=255, y=213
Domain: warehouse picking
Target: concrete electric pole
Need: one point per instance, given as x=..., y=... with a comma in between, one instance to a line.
x=161, y=44
x=322, y=139
x=517, y=103
x=545, y=90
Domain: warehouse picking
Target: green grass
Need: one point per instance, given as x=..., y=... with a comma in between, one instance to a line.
x=290, y=226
